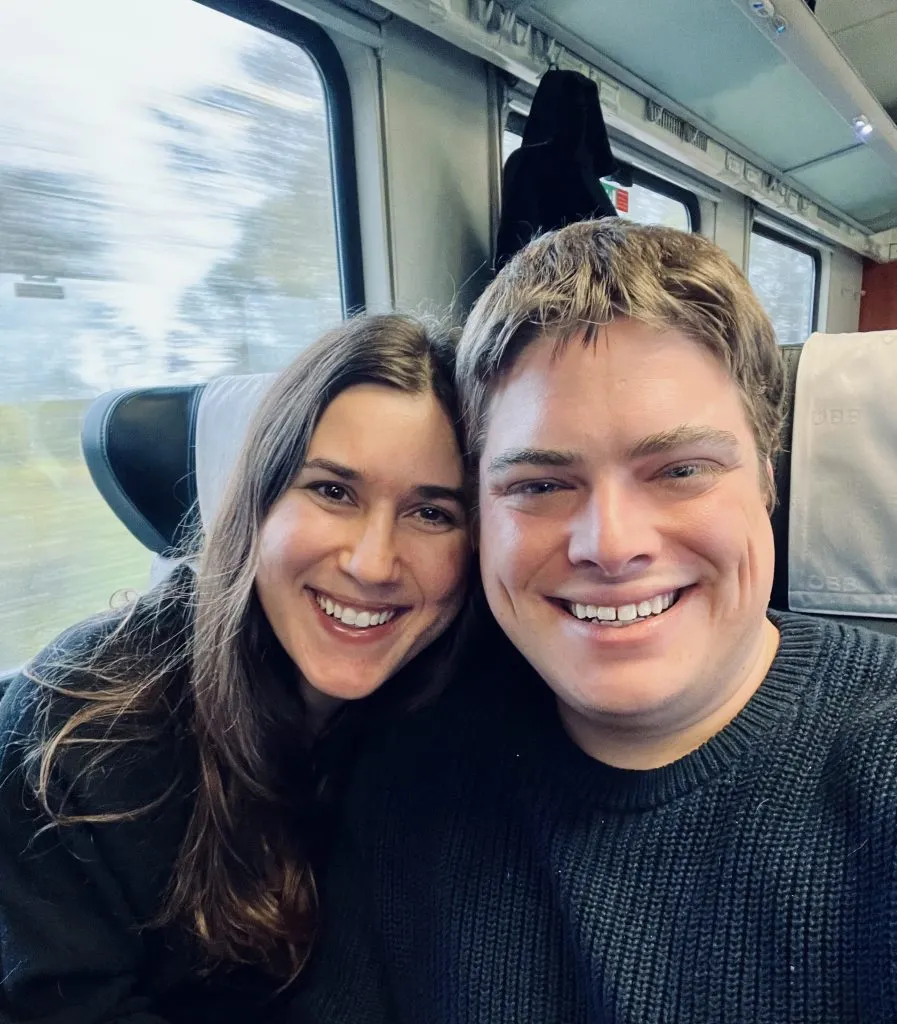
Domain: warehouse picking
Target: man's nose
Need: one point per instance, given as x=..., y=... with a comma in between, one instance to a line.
x=614, y=531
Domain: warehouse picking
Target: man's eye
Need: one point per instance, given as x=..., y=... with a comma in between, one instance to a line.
x=534, y=488
x=689, y=471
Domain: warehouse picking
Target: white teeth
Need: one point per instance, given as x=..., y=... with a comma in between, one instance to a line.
x=353, y=616
x=625, y=614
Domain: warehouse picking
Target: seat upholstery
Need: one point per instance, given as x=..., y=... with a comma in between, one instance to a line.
x=780, y=515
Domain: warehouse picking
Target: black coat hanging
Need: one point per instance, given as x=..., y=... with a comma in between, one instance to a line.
x=554, y=178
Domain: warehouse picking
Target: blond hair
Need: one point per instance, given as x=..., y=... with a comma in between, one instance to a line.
x=571, y=282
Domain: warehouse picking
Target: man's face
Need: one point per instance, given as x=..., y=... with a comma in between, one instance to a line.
x=626, y=547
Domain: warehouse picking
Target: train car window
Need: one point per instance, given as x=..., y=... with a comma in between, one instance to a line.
x=651, y=200
x=637, y=196
x=168, y=212
x=785, y=275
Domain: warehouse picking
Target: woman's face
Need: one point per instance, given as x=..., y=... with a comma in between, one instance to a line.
x=363, y=560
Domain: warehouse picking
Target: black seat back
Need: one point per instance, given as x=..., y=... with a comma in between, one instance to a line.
x=140, y=448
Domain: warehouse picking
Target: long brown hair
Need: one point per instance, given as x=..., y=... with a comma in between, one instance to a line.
x=242, y=882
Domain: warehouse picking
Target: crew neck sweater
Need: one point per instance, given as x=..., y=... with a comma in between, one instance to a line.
x=487, y=870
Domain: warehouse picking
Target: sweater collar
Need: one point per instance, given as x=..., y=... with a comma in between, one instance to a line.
x=547, y=750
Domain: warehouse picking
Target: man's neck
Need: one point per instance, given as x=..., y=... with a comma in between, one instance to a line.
x=643, y=748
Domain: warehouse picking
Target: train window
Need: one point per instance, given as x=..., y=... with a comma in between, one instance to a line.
x=636, y=194
x=785, y=276
x=167, y=213
x=651, y=200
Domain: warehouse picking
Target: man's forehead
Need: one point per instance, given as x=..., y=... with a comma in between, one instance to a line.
x=661, y=382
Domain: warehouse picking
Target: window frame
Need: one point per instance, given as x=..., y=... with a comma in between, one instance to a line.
x=271, y=17
x=782, y=238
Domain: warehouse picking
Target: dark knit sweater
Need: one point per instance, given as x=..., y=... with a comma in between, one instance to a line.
x=489, y=871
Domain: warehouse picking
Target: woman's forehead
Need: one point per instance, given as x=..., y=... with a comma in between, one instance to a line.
x=386, y=435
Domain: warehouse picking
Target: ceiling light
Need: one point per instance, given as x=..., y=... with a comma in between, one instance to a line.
x=763, y=8
x=862, y=127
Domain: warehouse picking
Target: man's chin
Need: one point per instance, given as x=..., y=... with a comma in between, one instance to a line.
x=624, y=696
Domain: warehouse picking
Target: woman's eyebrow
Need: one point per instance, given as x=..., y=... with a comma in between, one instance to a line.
x=427, y=492
x=436, y=492
x=336, y=468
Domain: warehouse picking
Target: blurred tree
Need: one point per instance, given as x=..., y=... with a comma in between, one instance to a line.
x=256, y=154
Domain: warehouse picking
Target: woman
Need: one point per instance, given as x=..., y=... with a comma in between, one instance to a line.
x=164, y=768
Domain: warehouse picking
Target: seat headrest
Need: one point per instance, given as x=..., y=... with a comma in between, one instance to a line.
x=138, y=446
x=222, y=420
x=161, y=456
x=789, y=460
x=843, y=517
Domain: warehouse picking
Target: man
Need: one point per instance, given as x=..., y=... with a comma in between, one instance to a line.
x=676, y=807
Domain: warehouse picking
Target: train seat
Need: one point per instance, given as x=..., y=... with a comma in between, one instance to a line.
x=837, y=485
x=160, y=456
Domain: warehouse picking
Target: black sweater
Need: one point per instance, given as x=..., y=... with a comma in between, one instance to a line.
x=74, y=900
x=489, y=871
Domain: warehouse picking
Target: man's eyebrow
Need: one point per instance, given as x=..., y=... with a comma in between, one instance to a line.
x=336, y=468
x=679, y=437
x=532, y=457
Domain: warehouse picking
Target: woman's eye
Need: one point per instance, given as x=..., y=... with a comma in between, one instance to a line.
x=435, y=516
x=331, y=492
